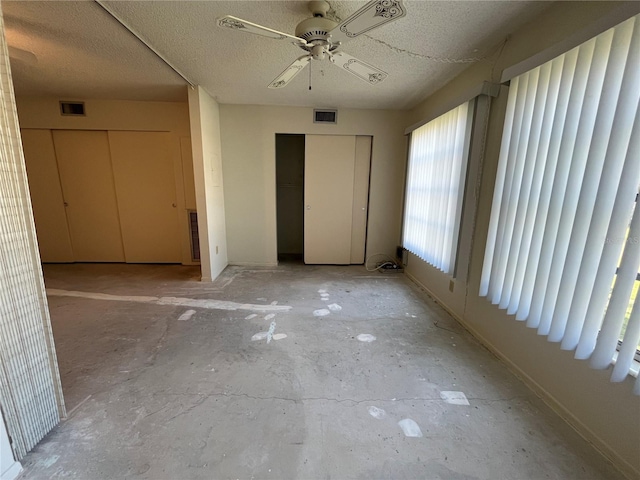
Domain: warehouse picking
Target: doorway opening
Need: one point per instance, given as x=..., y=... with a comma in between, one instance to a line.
x=290, y=197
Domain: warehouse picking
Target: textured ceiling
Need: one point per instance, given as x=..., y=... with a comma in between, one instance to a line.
x=83, y=53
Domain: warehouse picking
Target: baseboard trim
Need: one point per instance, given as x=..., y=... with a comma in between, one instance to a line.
x=12, y=472
x=585, y=432
x=253, y=264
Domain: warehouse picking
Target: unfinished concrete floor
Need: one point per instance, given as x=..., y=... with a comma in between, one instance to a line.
x=155, y=393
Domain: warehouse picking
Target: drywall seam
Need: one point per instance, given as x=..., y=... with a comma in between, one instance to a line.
x=585, y=432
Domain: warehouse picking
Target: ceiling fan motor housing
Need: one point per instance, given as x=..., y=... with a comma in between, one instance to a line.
x=315, y=28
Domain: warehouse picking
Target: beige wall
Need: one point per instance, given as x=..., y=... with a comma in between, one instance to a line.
x=607, y=414
x=248, y=153
x=171, y=117
x=106, y=115
x=207, y=160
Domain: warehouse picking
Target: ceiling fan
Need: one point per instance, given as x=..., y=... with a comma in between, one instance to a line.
x=321, y=37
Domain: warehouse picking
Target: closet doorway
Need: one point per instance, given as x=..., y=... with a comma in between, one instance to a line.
x=290, y=196
x=322, y=198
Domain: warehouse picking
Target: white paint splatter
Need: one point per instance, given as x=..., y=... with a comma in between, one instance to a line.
x=259, y=336
x=175, y=301
x=48, y=462
x=323, y=312
x=279, y=336
x=410, y=428
x=275, y=302
x=334, y=307
x=249, y=317
x=73, y=410
x=321, y=291
x=272, y=328
x=366, y=337
x=376, y=412
x=186, y=315
x=454, y=398
x=270, y=316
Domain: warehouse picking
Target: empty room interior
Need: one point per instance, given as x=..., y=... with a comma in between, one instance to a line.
x=343, y=239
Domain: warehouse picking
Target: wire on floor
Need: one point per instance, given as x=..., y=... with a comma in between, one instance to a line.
x=381, y=265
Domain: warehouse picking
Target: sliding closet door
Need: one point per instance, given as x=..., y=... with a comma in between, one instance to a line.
x=328, y=193
x=49, y=214
x=86, y=176
x=146, y=191
x=360, y=199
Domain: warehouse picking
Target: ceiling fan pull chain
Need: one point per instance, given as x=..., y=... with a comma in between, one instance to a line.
x=310, y=63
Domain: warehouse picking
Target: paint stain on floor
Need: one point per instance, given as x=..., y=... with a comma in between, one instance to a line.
x=175, y=301
x=410, y=428
x=272, y=328
x=186, y=315
x=366, y=337
x=376, y=412
x=454, y=398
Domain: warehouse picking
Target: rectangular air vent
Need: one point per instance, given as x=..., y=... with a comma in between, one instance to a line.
x=325, y=116
x=193, y=234
x=72, y=108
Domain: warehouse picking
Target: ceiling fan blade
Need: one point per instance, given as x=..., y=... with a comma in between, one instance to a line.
x=373, y=15
x=292, y=70
x=360, y=69
x=235, y=23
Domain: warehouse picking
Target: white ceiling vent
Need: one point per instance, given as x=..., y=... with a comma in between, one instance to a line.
x=325, y=116
x=72, y=108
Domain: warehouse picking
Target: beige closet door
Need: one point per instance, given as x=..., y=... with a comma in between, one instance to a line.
x=146, y=191
x=328, y=193
x=86, y=176
x=360, y=199
x=49, y=214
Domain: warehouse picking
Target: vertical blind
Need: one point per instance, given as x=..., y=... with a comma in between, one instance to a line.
x=436, y=172
x=565, y=191
x=30, y=391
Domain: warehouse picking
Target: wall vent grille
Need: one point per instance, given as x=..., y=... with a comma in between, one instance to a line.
x=325, y=116
x=193, y=235
x=72, y=108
